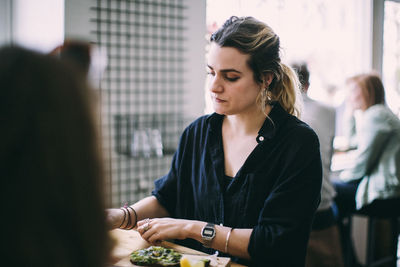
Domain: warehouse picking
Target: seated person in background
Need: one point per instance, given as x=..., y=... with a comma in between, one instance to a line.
x=324, y=245
x=375, y=174
x=376, y=171
x=50, y=164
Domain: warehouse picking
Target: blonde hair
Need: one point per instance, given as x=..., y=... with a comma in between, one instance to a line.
x=260, y=42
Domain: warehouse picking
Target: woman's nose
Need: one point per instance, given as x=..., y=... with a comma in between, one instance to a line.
x=215, y=84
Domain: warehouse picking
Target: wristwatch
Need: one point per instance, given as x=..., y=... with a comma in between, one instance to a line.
x=208, y=234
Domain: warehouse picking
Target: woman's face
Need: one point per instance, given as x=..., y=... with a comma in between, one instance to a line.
x=357, y=98
x=231, y=81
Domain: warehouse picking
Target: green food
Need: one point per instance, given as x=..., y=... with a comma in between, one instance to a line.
x=155, y=256
x=206, y=262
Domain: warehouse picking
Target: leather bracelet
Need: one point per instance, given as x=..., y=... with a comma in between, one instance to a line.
x=227, y=240
x=124, y=217
x=134, y=211
x=129, y=219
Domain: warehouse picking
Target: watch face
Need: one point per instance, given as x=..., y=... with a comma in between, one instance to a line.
x=208, y=232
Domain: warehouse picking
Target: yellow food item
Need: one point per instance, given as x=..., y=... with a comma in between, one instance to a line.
x=185, y=262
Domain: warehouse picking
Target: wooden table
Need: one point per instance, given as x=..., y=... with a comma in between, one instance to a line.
x=128, y=241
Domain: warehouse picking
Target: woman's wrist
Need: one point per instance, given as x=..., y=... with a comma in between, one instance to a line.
x=127, y=218
x=115, y=217
x=123, y=219
x=193, y=229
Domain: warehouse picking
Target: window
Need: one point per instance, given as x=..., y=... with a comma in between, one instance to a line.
x=38, y=25
x=333, y=37
x=391, y=55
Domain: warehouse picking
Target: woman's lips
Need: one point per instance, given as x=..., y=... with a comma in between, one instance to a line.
x=219, y=100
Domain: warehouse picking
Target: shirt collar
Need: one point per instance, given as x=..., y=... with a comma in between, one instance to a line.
x=269, y=128
x=215, y=121
x=272, y=123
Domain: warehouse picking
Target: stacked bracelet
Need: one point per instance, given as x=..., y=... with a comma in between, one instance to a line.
x=227, y=240
x=134, y=211
x=124, y=218
x=126, y=211
x=129, y=219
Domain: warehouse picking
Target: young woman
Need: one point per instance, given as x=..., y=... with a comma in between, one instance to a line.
x=246, y=179
x=372, y=184
x=375, y=175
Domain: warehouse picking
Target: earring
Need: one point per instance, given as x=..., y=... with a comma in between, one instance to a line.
x=269, y=98
x=265, y=98
x=264, y=93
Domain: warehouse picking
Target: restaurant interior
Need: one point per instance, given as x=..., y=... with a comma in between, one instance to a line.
x=148, y=69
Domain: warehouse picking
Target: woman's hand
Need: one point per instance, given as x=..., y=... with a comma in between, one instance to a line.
x=156, y=230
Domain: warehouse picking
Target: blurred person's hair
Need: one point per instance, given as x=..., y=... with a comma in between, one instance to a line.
x=256, y=39
x=303, y=74
x=77, y=52
x=52, y=190
x=371, y=86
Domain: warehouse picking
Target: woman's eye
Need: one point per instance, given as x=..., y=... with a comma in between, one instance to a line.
x=232, y=79
x=210, y=73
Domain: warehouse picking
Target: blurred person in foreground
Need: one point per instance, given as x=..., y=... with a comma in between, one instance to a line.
x=245, y=180
x=76, y=52
x=86, y=57
x=51, y=165
x=372, y=184
x=324, y=247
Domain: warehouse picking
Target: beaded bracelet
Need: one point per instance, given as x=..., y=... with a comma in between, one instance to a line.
x=227, y=240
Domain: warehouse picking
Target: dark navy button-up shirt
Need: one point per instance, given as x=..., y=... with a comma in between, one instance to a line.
x=276, y=192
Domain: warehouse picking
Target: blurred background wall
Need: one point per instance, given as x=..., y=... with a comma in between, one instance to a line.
x=153, y=84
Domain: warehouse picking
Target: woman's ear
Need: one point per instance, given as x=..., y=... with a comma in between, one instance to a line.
x=267, y=79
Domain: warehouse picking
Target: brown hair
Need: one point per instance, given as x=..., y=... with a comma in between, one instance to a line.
x=258, y=40
x=303, y=74
x=52, y=178
x=371, y=86
x=75, y=51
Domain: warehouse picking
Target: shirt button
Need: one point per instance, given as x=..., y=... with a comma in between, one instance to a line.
x=260, y=138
